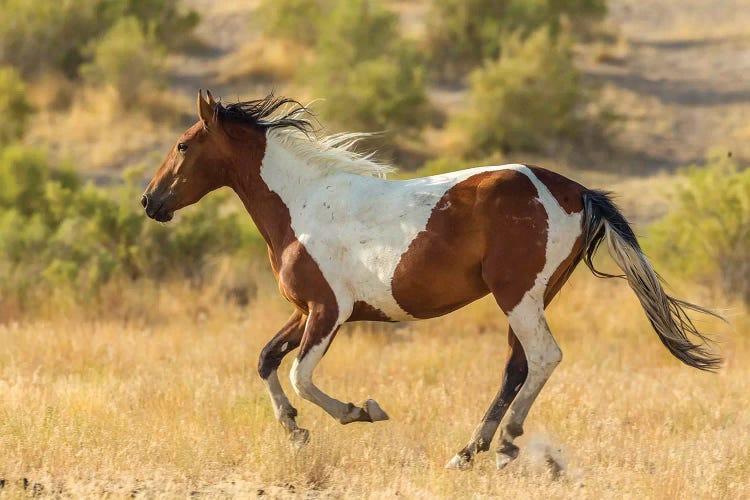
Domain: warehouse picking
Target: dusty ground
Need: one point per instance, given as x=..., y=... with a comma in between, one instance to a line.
x=682, y=84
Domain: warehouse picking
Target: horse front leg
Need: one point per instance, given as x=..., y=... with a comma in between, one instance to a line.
x=322, y=325
x=285, y=341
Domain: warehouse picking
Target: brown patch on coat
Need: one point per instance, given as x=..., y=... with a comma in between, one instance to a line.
x=487, y=233
x=363, y=311
x=288, y=337
x=568, y=193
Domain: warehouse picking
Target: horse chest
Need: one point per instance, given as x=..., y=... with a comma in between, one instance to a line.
x=357, y=239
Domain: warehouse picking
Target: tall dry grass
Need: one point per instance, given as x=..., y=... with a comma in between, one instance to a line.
x=170, y=405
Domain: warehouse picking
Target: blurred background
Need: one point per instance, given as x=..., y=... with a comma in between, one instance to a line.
x=128, y=347
x=620, y=94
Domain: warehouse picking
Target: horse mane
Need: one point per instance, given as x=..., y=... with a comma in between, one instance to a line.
x=290, y=123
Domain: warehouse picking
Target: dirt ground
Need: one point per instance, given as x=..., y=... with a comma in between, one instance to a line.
x=683, y=85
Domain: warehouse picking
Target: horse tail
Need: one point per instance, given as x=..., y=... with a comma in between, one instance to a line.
x=667, y=314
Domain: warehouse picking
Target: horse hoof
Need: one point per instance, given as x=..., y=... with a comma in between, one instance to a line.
x=374, y=410
x=459, y=462
x=506, y=455
x=298, y=438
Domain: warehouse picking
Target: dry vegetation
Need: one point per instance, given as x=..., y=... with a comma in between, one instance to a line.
x=170, y=405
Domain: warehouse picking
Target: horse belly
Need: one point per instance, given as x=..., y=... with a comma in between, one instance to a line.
x=439, y=275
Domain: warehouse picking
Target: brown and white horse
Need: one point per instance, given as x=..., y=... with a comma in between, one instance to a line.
x=345, y=244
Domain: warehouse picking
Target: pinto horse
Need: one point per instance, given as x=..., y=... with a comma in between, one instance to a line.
x=345, y=244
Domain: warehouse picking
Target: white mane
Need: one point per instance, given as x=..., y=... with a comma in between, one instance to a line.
x=333, y=153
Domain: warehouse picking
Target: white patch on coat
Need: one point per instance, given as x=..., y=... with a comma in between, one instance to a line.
x=284, y=346
x=357, y=227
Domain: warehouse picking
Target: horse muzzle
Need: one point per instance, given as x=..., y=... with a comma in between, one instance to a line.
x=156, y=208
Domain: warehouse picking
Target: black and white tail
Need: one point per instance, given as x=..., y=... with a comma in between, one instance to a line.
x=667, y=314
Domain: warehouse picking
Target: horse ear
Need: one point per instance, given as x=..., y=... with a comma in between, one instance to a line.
x=206, y=109
x=210, y=99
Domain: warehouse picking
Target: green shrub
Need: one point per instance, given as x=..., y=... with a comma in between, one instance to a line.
x=707, y=233
x=370, y=77
x=57, y=233
x=526, y=100
x=15, y=110
x=171, y=24
x=297, y=20
x=38, y=35
x=128, y=59
x=378, y=94
x=23, y=175
x=43, y=35
x=463, y=33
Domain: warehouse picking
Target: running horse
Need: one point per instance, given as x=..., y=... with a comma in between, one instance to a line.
x=345, y=244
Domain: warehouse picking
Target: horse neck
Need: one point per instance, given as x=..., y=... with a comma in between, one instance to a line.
x=265, y=205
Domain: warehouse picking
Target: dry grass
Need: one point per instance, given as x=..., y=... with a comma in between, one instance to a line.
x=98, y=131
x=171, y=406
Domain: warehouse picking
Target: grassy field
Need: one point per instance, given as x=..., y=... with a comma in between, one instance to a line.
x=170, y=405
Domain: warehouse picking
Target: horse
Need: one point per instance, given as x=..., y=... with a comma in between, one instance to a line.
x=347, y=244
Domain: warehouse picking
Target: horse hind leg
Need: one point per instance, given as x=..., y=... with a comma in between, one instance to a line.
x=542, y=355
x=514, y=377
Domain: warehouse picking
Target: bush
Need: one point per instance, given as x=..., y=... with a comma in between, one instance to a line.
x=526, y=100
x=370, y=77
x=39, y=35
x=128, y=59
x=23, y=176
x=57, y=233
x=464, y=33
x=171, y=25
x=707, y=233
x=15, y=110
x=296, y=20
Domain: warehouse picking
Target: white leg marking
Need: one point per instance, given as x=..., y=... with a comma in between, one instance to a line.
x=301, y=373
x=284, y=346
x=301, y=377
x=285, y=412
x=276, y=392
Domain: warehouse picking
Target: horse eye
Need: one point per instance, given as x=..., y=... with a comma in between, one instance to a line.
x=182, y=147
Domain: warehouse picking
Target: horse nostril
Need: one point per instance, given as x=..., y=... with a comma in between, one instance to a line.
x=144, y=201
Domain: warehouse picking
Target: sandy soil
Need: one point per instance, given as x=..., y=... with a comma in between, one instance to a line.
x=684, y=88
